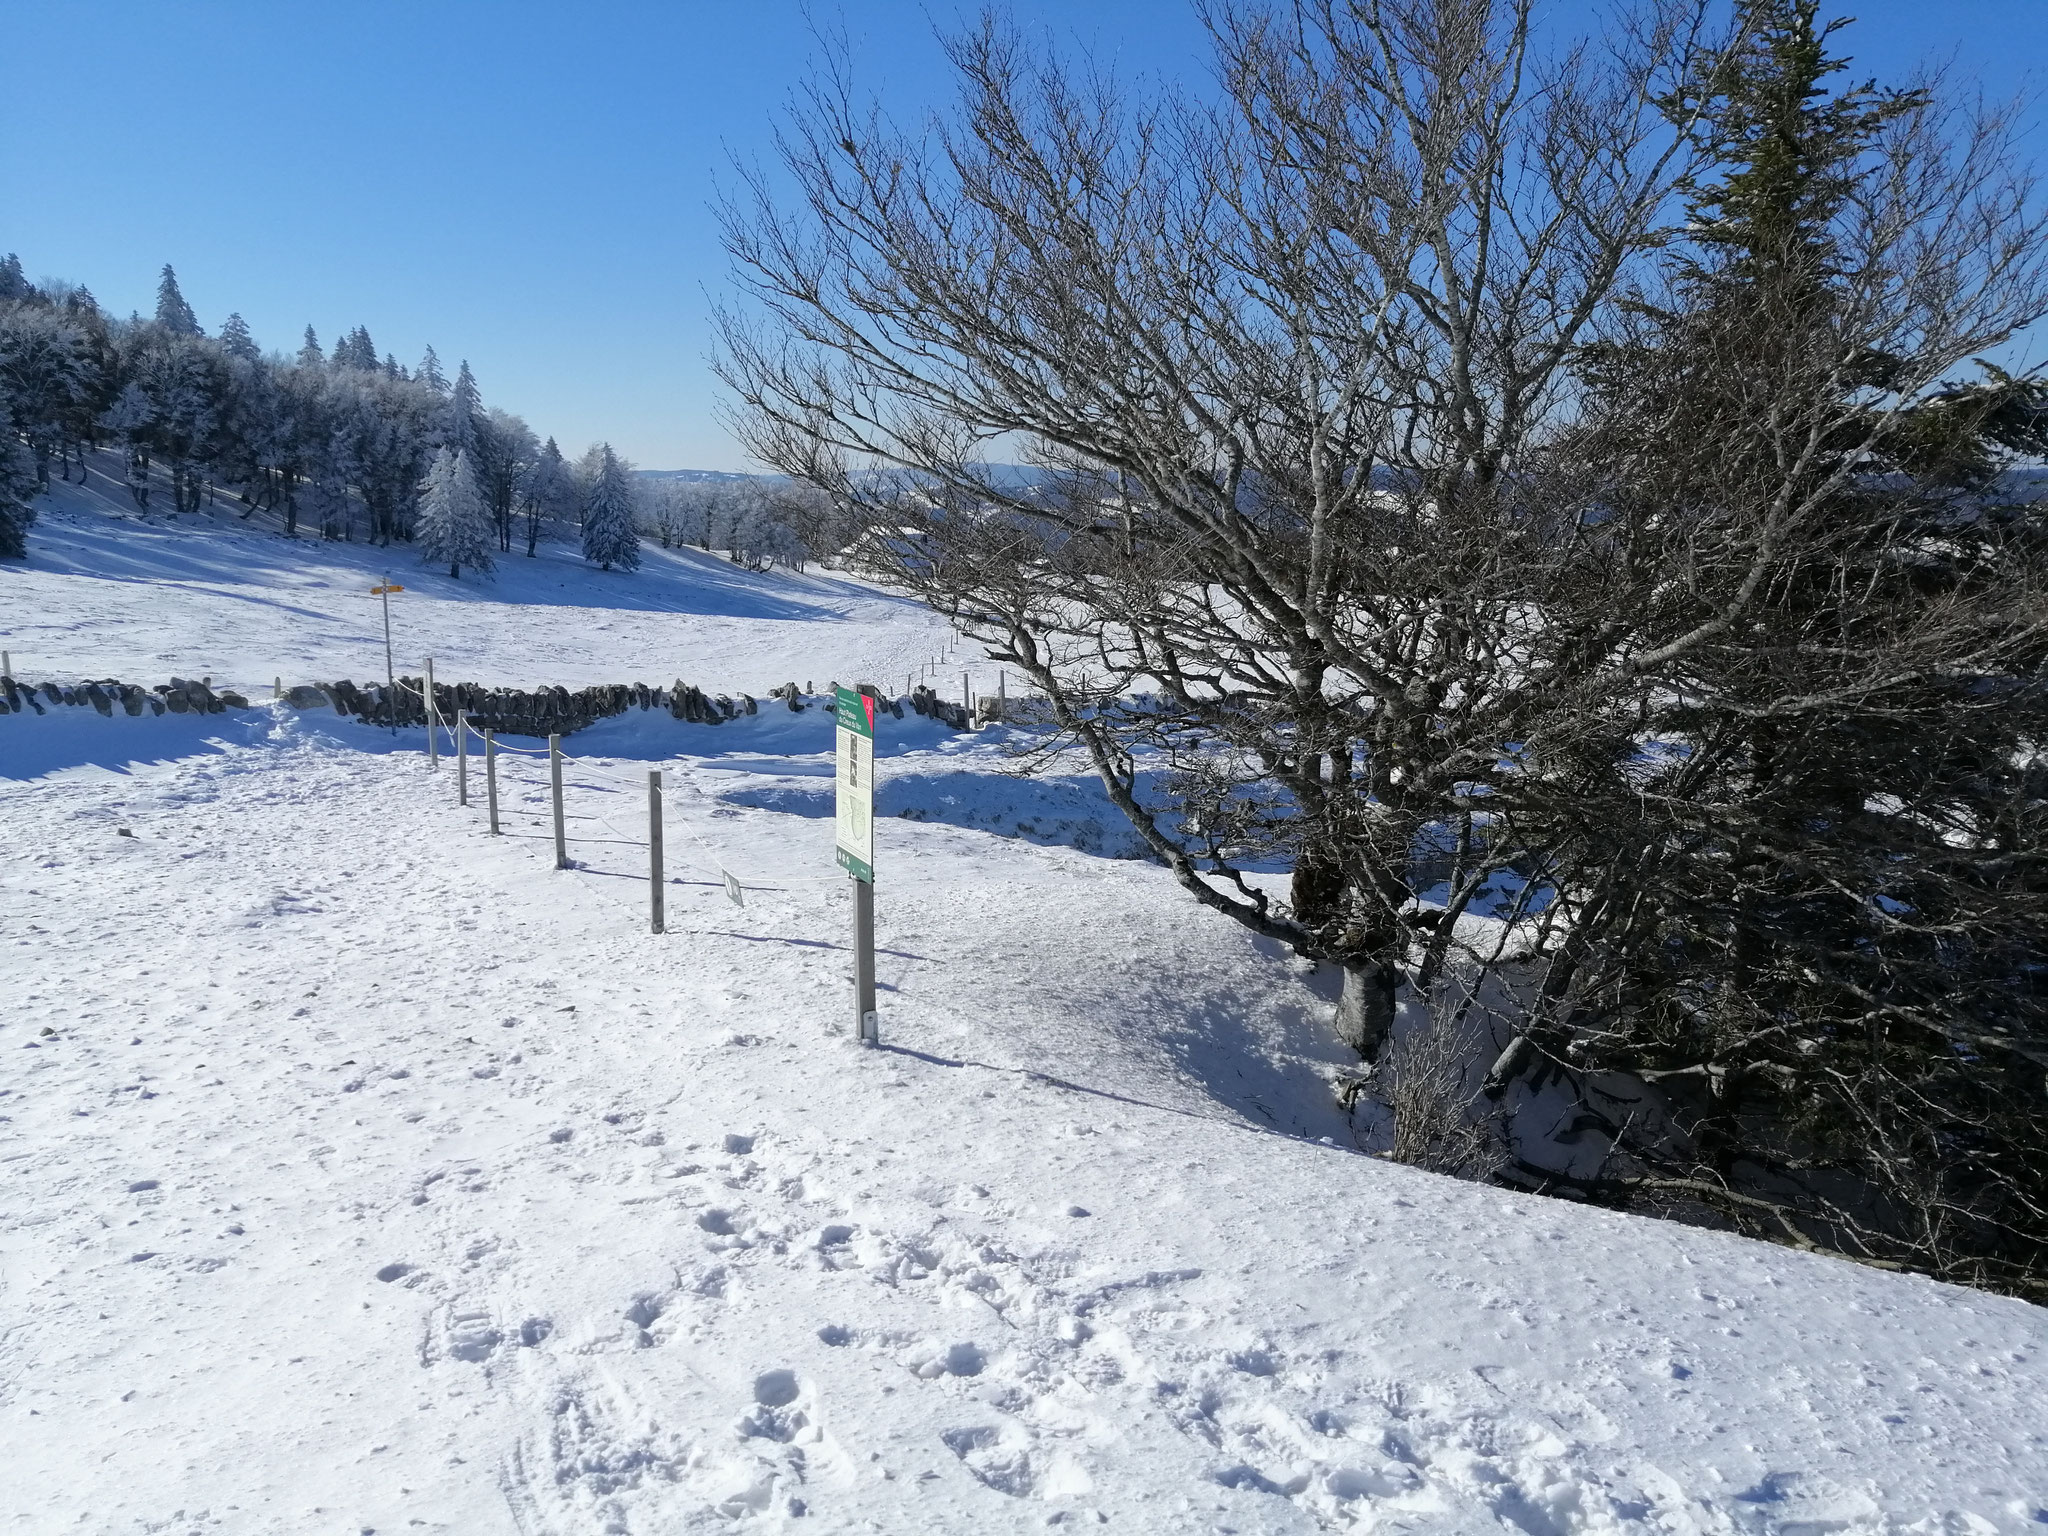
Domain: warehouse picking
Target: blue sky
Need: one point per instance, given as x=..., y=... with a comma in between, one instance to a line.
x=525, y=185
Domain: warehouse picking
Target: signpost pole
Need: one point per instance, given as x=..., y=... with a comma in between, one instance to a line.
x=865, y=1020
x=854, y=711
x=390, y=676
x=654, y=849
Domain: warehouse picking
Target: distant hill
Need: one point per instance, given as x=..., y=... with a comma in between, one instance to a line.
x=1009, y=476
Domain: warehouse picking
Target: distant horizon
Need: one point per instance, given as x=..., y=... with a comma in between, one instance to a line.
x=529, y=190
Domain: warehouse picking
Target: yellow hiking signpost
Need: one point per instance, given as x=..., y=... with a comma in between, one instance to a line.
x=854, y=841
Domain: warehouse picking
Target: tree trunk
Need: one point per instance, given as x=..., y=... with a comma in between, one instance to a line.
x=1365, y=1008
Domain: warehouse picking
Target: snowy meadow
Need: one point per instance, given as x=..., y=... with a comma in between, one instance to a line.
x=365, y=1173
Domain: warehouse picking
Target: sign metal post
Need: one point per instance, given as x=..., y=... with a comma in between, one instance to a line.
x=855, y=844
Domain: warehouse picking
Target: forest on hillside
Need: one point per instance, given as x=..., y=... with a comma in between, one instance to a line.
x=334, y=443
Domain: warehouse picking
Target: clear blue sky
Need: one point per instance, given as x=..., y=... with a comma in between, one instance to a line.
x=525, y=185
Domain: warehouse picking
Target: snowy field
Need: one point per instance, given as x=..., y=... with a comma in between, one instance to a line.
x=108, y=592
x=364, y=1173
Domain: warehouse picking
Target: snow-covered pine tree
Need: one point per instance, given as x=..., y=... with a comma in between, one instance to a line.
x=236, y=341
x=17, y=487
x=609, y=535
x=172, y=312
x=14, y=285
x=551, y=495
x=429, y=373
x=310, y=355
x=464, y=404
x=455, y=521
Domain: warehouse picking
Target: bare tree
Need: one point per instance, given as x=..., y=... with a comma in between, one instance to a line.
x=1348, y=557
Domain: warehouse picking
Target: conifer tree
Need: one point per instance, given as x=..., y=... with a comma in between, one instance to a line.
x=310, y=355
x=610, y=537
x=17, y=487
x=14, y=286
x=551, y=494
x=454, y=521
x=236, y=341
x=463, y=406
x=172, y=312
x=429, y=373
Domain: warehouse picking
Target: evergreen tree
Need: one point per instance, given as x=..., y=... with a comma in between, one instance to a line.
x=551, y=495
x=610, y=535
x=17, y=487
x=429, y=373
x=310, y=355
x=464, y=405
x=454, y=521
x=236, y=341
x=14, y=287
x=172, y=312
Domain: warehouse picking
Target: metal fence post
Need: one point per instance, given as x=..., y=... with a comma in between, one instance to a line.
x=491, y=777
x=655, y=912
x=555, y=773
x=433, y=720
x=462, y=757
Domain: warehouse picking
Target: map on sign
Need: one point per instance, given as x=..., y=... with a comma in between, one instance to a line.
x=855, y=778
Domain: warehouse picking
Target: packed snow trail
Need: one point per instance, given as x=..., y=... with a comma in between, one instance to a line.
x=373, y=1176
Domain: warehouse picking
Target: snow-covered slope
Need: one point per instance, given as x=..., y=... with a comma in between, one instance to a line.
x=362, y=1172
x=109, y=592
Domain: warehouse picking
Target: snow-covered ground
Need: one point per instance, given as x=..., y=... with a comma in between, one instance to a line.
x=362, y=1172
x=109, y=592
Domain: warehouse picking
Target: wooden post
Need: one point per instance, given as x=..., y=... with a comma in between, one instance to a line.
x=277, y=687
x=433, y=720
x=390, y=677
x=867, y=1029
x=6, y=664
x=491, y=777
x=462, y=757
x=654, y=849
x=966, y=695
x=555, y=773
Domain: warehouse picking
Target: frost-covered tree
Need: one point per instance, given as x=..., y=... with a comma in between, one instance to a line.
x=465, y=404
x=172, y=312
x=45, y=374
x=14, y=285
x=310, y=355
x=236, y=341
x=455, y=521
x=129, y=418
x=429, y=373
x=611, y=536
x=18, y=486
x=550, y=496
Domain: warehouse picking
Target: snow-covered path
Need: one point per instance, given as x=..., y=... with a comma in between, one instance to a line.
x=374, y=1176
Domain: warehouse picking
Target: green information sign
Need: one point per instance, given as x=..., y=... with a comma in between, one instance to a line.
x=855, y=836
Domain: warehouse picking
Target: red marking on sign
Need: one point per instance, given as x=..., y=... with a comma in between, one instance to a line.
x=867, y=701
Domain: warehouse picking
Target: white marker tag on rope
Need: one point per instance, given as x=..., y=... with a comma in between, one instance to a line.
x=733, y=888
